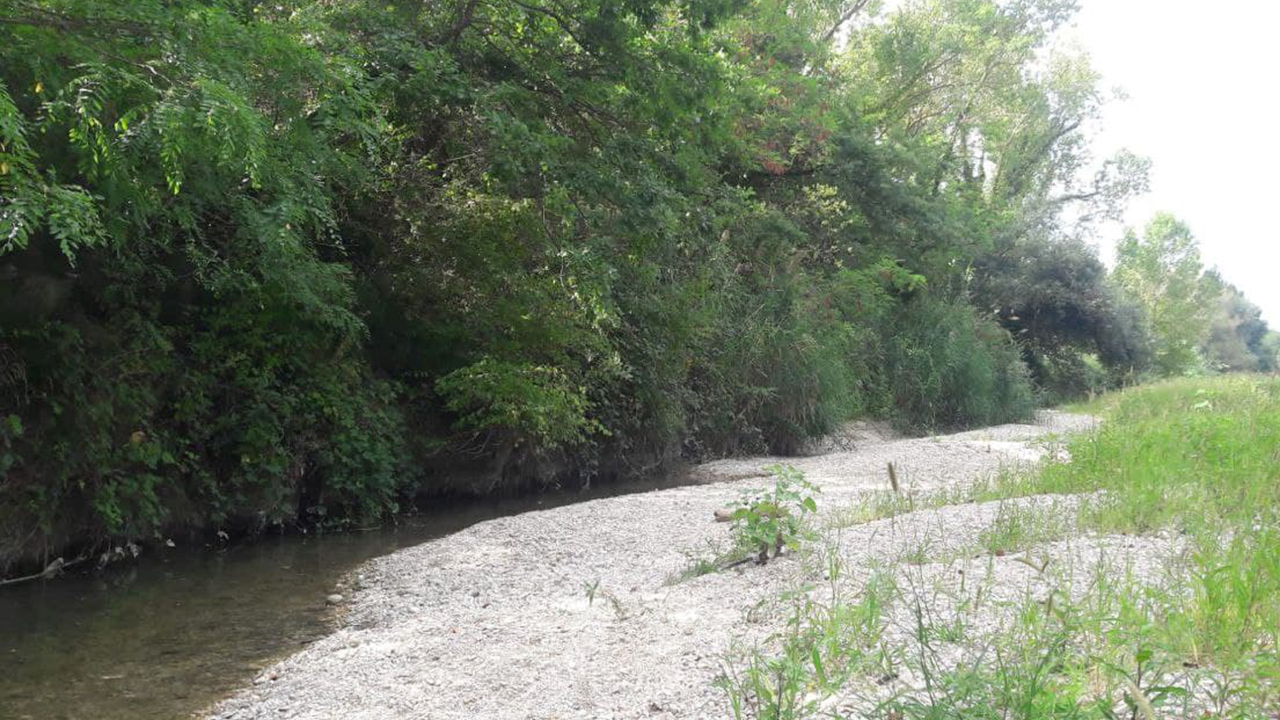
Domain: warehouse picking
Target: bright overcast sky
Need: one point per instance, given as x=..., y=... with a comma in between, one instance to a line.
x=1202, y=80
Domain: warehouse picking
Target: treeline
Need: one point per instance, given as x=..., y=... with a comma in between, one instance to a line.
x=302, y=262
x=1198, y=322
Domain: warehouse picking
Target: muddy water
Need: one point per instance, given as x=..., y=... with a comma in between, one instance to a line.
x=183, y=627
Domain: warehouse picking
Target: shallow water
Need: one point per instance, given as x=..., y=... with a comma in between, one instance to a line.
x=181, y=628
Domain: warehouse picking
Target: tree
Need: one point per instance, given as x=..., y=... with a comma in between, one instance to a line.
x=1235, y=342
x=301, y=262
x=1269, y=352
x=1161, y=271
x=1058, y=299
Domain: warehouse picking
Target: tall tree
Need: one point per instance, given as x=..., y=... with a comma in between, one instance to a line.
x=1161, y=270
x=295, y=262
x=1236, y=330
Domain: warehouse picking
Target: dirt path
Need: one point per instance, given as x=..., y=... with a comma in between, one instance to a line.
x=570, y=612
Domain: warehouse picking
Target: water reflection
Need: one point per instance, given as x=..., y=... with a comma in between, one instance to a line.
x=165, y=636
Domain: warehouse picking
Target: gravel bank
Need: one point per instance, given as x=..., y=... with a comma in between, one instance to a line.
x=569, y=613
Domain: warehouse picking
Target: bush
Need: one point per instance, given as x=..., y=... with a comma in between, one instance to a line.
x=535, y=402
x=135, y=429
x=772, y=519
x=254, y=258
x=1070, y=375
x=946, y=367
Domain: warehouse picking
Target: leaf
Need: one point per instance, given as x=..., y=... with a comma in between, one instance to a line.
x=1162, y=691
x=816, y=656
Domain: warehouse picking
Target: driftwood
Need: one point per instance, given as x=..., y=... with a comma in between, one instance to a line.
x=52, y=570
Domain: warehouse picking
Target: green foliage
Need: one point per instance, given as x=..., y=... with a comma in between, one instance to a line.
x=774, y=518
x=947, y=366
x=1237, y=333
x=1068, y=376
x=1068, y=314
x=1268, y=352
x=179, y=326
x=291, y=264
x=826, y=642
x=1190, y=464
x=1197, y=457
x=1162, y=272
x=533, y=401
x=1183, y=453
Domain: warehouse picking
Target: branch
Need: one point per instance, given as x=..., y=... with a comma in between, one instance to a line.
x=58, y=21
x=1074, y=197
x=846, y=17
x=465, y=17
x=51, y=571
x=564, y=24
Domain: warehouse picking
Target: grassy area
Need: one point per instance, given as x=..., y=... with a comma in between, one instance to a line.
x=1175, y=613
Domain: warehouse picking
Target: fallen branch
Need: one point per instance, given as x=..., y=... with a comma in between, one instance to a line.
x=51, y=571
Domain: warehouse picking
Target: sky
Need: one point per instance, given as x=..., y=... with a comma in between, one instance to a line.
x=1203, y=86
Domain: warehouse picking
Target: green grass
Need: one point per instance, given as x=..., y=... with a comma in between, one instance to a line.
x=1017, y=528
x=829, y=640
x=1194, y=454
x=1194, y=461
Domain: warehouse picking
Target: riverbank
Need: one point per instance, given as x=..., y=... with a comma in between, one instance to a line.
x=581, y=612
x=166, y=634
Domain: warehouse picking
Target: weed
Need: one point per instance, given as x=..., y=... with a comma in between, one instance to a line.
x=773, y=518
x=823, y=646
x=1018, y=527
x=713, y=558
x=1193, y=460
x=590, y=588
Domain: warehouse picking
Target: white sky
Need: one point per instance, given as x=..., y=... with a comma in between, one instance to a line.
x=1203, y=81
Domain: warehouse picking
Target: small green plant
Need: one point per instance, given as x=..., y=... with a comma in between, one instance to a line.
x=589, y=589
x=592, y=590
x=823, y=645
x=773, y=518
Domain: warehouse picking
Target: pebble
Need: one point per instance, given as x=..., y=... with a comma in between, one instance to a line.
x=429, y=646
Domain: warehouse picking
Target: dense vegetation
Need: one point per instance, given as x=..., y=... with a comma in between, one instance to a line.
x=301, y=262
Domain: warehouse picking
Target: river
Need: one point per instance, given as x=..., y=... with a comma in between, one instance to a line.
x=179, y=628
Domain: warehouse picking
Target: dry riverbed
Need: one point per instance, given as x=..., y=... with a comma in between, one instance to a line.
x=581, y=611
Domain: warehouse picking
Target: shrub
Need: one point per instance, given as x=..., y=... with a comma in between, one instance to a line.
x=946, y=366
x=536, y=402
x=1069, y=375
x=773, y=518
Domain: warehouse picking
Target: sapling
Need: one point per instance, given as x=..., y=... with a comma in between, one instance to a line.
x=773, y=518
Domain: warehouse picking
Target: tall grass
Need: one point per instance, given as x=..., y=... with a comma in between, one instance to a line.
x=1189, y=454
x=946, y=366
x=1198, y=459
x=1193, y=465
